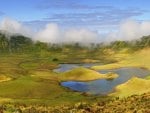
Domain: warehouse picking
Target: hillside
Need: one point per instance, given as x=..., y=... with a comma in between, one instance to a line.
x=132, y=104
x=28, y=82
x=83, y=74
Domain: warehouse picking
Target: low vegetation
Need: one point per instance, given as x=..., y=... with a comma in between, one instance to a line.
x=4, y=78
x=131, y=104
x=137, y=59
x=28, y=83
x=133, y=86
x=110, y=76
x=84, y=74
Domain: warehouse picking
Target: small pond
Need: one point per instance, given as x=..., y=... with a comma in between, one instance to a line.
x=104, y=86
x=67, y=67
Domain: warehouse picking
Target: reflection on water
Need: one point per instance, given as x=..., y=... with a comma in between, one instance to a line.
x=106, y=86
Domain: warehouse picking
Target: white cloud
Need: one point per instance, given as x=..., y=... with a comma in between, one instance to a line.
x=13, y=26
x=51, y=33
x=80, y=35
x=130, y=30
x=127, y=30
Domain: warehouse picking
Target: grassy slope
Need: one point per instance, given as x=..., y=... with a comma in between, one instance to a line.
x=4, y=78
x=33, y=80
x=84, y=74
x=135, y=85
x=137, y=59
x=36, y=89
x=132, y=86
x=32, y=74
x=132, y=104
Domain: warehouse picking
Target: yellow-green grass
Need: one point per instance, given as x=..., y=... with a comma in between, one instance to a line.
x=33, y=89
x=84, y=74
x=111, y=75
x=4, y=100
x=148, y=78
x=4, y=78
x=38, y=64
x=39, y=85
x=23, y=87
x=45, y=74
x=133, y=86
x=137, y=59
x=33, y=81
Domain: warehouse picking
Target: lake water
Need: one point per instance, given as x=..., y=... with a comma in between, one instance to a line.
x=67, y=67
x=104, y=86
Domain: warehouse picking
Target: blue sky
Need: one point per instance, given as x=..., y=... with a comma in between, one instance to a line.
x=97, y=15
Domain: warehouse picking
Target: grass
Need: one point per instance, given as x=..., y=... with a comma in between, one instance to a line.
x=148, y=77
x=33, y=80
x=137, y=59
x=84, y=74
x=29, y=89
x=132, y=104
x=110, y=76
x=4, y=78
x=81, y=74
x=22, y=87
x=135, y=86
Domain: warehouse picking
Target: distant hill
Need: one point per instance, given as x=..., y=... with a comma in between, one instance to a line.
x=19, y=43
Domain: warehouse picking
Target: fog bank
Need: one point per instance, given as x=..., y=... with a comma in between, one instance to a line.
x=127, y=30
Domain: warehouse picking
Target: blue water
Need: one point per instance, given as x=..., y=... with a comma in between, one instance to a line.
x=104, y=86
x=67, y=67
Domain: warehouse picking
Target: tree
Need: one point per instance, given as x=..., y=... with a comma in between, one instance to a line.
x=40, y=46
x=119, y=45
x=3, y=43
x=19, y=43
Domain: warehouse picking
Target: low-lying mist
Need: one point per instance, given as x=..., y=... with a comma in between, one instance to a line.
x=127, y=30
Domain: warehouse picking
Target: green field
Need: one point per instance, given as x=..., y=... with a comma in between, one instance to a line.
x=27, y=77
x=32, y=80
